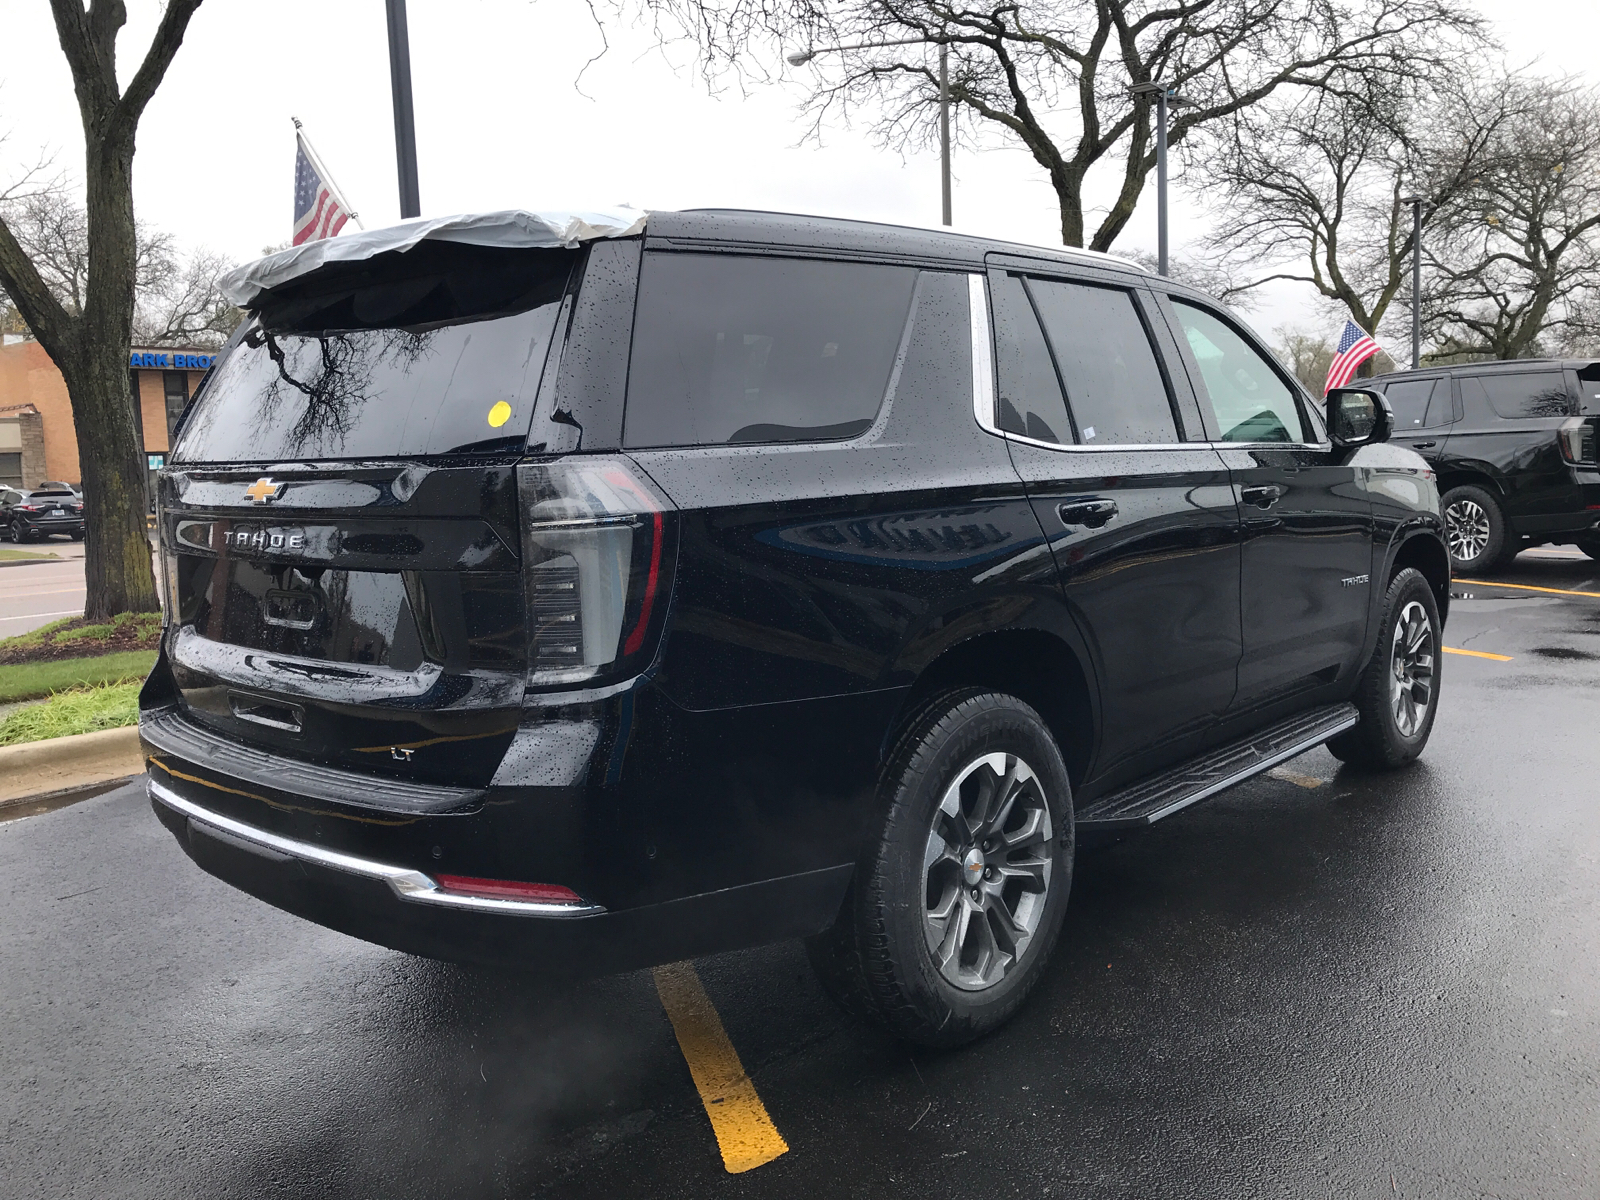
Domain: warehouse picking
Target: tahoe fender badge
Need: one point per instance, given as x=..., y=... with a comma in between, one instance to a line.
x=264, y=490
x=1354, y=580
x=400, y=753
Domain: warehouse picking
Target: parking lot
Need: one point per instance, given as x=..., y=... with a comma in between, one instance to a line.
x=1319, y=984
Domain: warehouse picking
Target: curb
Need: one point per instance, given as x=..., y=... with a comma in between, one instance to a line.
x=38, y=771
x=32, y=562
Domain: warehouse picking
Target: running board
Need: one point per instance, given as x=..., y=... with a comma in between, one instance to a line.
x=1161, y=795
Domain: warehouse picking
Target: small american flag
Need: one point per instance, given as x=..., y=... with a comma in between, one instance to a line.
x=319, y=210
x=1354, y=348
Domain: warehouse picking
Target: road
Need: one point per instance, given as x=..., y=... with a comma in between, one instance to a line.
x=35, y=594
x=1318, y=984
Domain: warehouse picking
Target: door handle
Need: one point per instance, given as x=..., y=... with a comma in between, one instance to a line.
x=1093, y=513
x=1262, y=495
x=1423, y=445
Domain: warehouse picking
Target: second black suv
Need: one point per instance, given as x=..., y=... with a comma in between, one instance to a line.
x=47, y=510
x=1514, y=444
x=688, y=583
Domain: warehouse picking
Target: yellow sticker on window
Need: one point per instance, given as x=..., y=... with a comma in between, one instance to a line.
x=499, y=414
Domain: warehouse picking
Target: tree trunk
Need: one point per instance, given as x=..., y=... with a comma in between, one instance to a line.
x=117, y=568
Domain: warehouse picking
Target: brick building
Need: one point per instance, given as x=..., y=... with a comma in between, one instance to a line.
x=38, y=440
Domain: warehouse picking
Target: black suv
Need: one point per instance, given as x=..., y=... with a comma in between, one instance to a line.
x=744, y=576
x=33, y=516
x=1514, y=447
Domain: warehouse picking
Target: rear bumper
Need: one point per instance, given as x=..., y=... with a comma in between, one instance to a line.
x=49, y=525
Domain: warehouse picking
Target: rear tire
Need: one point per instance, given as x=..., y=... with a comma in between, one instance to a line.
x=1398, y=694
x=958, y=901
x=77, y=537
x=1590, y=546
x=1476, y=531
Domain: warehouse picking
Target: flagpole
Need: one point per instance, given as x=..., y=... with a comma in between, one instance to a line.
x=322, y=170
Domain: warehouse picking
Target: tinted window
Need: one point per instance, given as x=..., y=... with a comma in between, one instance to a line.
x=734, y=349
x=1419, y=403
x=372, y=393
x=1250, y=400
x=1535, y=394
x=1114, y=387
x=1031, y=402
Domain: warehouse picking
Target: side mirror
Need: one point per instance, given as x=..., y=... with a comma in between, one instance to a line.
x=1358, y=417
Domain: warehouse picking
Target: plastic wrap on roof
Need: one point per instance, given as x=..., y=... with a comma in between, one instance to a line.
x=513, y=229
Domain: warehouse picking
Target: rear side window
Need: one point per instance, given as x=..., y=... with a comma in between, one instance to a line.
x=1523, y=395
x=1419, y=403
x=1031, y=402
x=729, y=348
x=1114, y=387
x=1251, y=401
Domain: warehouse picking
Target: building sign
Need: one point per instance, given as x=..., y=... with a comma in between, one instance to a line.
x=172, y=362
x=155, y=462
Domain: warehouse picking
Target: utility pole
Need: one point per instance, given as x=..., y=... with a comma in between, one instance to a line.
x=944, y=131
x=405, y=125
x=1416, y=278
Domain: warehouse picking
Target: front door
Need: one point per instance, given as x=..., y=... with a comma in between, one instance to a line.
x=1423, y=413
x=1305, y=575
x=1143, y=526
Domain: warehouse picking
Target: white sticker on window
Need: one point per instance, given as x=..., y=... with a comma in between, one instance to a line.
x=1088, y=433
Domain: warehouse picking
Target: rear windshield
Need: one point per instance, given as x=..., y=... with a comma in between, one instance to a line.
x=424, y=371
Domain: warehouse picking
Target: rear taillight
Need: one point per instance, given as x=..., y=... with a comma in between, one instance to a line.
x=1577, y=441
x=598, y=542
x=508, y=889
x=27, y=508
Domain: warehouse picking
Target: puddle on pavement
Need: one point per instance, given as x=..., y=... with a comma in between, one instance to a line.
x=1564, y=653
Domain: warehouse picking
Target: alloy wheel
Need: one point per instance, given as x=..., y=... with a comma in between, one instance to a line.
x=1411, y=677
x=1467, y=528
x=986, y=871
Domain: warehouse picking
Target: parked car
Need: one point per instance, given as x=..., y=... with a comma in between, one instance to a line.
x=30, y=516
x=723, y=577
x=1513, y=444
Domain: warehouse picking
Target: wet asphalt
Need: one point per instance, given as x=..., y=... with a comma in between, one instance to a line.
x=1375, y=986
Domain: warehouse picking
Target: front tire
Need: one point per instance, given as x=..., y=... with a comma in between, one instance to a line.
x=958, y=902
x=1398, y=695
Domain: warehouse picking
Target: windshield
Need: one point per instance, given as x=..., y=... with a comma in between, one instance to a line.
x=373, y=393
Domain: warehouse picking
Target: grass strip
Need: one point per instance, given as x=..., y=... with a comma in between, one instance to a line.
x=26, y=681
x=27, y=556
x=67, y=713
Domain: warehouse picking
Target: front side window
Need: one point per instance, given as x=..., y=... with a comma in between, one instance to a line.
x=1114, y=385
x=734, y=349
x=1250, y=400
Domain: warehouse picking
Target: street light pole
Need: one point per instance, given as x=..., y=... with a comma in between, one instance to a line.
x=944, y=132
x=405, y=126
x=1164, y=97
x=1416, y=278
x=801, y=57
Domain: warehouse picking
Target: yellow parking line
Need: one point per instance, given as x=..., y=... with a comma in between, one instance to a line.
x=1478, y=654
x=744, y=1132
x=1528, y=587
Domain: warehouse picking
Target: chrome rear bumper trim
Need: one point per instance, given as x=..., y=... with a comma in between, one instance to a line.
x=407, y=883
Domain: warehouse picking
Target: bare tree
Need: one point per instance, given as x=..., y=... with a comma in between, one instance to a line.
x=1015, y=66
x=89, y=345
x=185, y=307
x=1516, y=267
x=1314, y=188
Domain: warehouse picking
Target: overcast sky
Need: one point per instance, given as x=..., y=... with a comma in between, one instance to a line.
x=502, y=123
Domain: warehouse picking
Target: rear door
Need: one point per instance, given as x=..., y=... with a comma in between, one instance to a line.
x=1143, y=525
x=1308, y=525
x=1423, y=414
x=1508, y=432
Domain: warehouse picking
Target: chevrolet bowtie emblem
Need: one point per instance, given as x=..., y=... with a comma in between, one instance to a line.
x=264, y=491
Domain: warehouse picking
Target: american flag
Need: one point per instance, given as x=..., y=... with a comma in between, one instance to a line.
x=319, y=210
x=1354, y=348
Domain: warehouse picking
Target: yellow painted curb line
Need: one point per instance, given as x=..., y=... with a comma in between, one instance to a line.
x=34, y=768
x=1527, y=587
x=744, y=1131
x=1478, y=654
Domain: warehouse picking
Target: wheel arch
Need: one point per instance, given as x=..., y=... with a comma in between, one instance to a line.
x=1035, y=665
x=1471, y=475
x=1423, y=550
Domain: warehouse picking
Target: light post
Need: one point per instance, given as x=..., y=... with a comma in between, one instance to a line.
x=405, y=125
x=801, y=57
x=1416, y=203
x=1165, y=98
